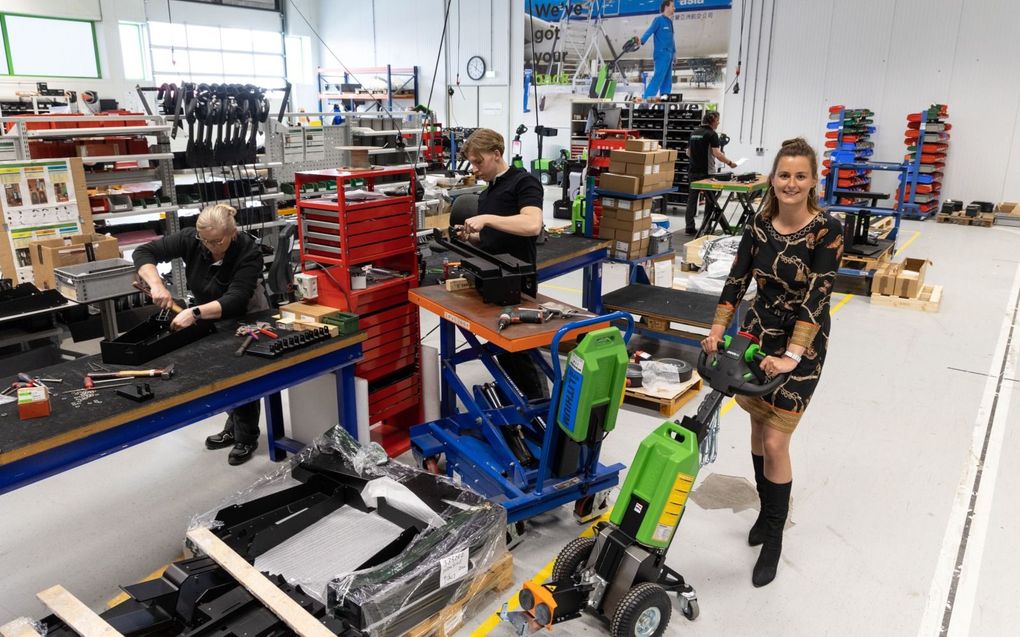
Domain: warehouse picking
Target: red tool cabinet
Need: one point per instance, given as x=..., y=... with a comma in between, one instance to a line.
x=339, y=234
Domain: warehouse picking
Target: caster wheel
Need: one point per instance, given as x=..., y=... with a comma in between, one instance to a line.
x=514, y=534
x=690, y=609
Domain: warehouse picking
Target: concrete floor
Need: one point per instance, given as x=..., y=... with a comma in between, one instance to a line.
x=913, y=411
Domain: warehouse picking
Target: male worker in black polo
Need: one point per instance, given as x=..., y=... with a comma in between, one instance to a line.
x=702, y=147
x=508, y=221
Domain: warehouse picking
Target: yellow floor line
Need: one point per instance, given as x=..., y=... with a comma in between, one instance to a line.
x=546, y=571
x=917, y=233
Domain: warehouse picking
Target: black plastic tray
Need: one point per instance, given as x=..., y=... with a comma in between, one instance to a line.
x=150, y=339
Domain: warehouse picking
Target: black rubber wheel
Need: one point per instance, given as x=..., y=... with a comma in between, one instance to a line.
x=690, y=610
x=643, y=612
x=526, y=599
x=573, y=556
x=543, y=615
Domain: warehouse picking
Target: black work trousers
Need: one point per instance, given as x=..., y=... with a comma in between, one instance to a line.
x=692, y=201
x=245, y=420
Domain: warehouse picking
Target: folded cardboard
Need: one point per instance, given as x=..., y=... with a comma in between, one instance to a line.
x=692, y=250
x=48, y=254
x=904, y=279
x=1008, y=207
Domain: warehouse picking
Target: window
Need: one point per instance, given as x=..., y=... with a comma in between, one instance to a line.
x=210, y=55
x=132, y=48
x=49, y=47
x=299, y=60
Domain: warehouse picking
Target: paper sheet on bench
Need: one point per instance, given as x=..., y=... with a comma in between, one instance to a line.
x=335, y=545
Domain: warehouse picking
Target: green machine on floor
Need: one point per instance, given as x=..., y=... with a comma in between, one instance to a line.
x=620, y=574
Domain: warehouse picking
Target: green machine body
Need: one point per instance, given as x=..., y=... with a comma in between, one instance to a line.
x=593, y=383
x=659, y=480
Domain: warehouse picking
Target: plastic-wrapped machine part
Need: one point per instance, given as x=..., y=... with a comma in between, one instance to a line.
x=23, y=626
x=448, y=537
x=718, y=256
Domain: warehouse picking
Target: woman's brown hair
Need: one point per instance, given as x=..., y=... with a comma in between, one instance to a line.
x=796, y=147
x=483, y=140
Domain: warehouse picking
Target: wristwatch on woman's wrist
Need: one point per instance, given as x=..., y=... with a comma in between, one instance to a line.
x=196, y=312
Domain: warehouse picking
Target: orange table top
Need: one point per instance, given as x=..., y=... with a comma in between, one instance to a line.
x=466, y=309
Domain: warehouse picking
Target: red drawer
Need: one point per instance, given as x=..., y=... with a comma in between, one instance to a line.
x=396, y=323
x=406, y=311
x=393, y=389
x=375, y=210
x=374, y=370
x=406, y=334
x=388, y=350
x=367, y=253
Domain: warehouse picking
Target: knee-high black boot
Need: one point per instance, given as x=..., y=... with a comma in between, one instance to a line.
x=776, y=505
x=757, y=533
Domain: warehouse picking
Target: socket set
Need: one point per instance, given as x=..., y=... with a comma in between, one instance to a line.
x=288, y=341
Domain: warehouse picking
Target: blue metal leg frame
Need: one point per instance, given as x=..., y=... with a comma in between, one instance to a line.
x=47, y=463
x=477, y=452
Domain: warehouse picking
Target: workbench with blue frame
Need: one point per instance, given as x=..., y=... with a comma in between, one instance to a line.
x=208, y=380
x=471, y=440
x=556, y=256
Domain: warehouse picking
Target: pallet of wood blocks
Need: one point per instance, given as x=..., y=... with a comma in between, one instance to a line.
x=927, y=301
x=984, y=219
x=446, y=622
x=667, y=403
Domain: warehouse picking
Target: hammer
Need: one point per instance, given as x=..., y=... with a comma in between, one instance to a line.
x=164, y=373
x=138, y=285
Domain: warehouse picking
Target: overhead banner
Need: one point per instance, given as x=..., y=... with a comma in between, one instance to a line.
x=566, y=43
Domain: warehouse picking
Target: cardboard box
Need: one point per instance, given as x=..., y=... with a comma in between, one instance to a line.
x=627, y=215
x=692, y=251
x=620, y=183
x=307, y=312
x=633, y=157
x=626, y=224
x=1008, y=207
x=641, y=145
x=904, y=279
x=626, y=204
x=665, y=156
x=660, y=271
x=636, y=170
x=48, y=254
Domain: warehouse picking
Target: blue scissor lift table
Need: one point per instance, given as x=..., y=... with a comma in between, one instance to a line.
x=473, y=440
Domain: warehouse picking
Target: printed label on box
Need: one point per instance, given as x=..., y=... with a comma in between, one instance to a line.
x=453, y=567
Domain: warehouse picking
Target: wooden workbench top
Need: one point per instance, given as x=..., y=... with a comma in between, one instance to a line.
x=466, y=309
x=761, y=183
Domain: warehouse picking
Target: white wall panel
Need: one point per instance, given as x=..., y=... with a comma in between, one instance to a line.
x=896, y=58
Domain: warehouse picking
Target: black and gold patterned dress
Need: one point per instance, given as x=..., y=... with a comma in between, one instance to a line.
x=794, y=274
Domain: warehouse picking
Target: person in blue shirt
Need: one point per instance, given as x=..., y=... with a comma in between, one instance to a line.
x=663, y=51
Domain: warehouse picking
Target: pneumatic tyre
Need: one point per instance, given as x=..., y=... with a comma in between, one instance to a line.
x=572, y=558
x=643, y=612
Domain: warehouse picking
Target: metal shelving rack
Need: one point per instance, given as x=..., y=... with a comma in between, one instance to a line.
x=671, y=124
x=927, y=141
x=159, y=157
x=352, y=98
x=848, y=140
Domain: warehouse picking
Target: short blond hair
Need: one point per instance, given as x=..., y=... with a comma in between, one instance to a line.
x=218, y=217
x=483, y=140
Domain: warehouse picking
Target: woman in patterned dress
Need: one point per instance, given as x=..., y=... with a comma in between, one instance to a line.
x=792, y=250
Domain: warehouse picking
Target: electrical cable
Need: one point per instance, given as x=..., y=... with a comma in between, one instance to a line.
x=743, y=100
x=768, y=71
x=534, y=61
x=757, y=68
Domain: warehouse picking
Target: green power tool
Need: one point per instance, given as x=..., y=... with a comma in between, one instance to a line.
x=621, y=574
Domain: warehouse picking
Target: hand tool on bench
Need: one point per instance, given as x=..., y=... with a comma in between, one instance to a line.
x=116, y=382
x=511, y=316
x=140, y=286
x=165, y=373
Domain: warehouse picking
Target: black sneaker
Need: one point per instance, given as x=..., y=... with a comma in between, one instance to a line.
x=242, y=452
x=223, y=439
x=690, y=232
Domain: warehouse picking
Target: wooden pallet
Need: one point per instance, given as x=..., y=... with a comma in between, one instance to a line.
x=927, y=301
x=857, y=262
x=883, y=226
x=984, y=219
x=446, y=622
x=666, y=404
